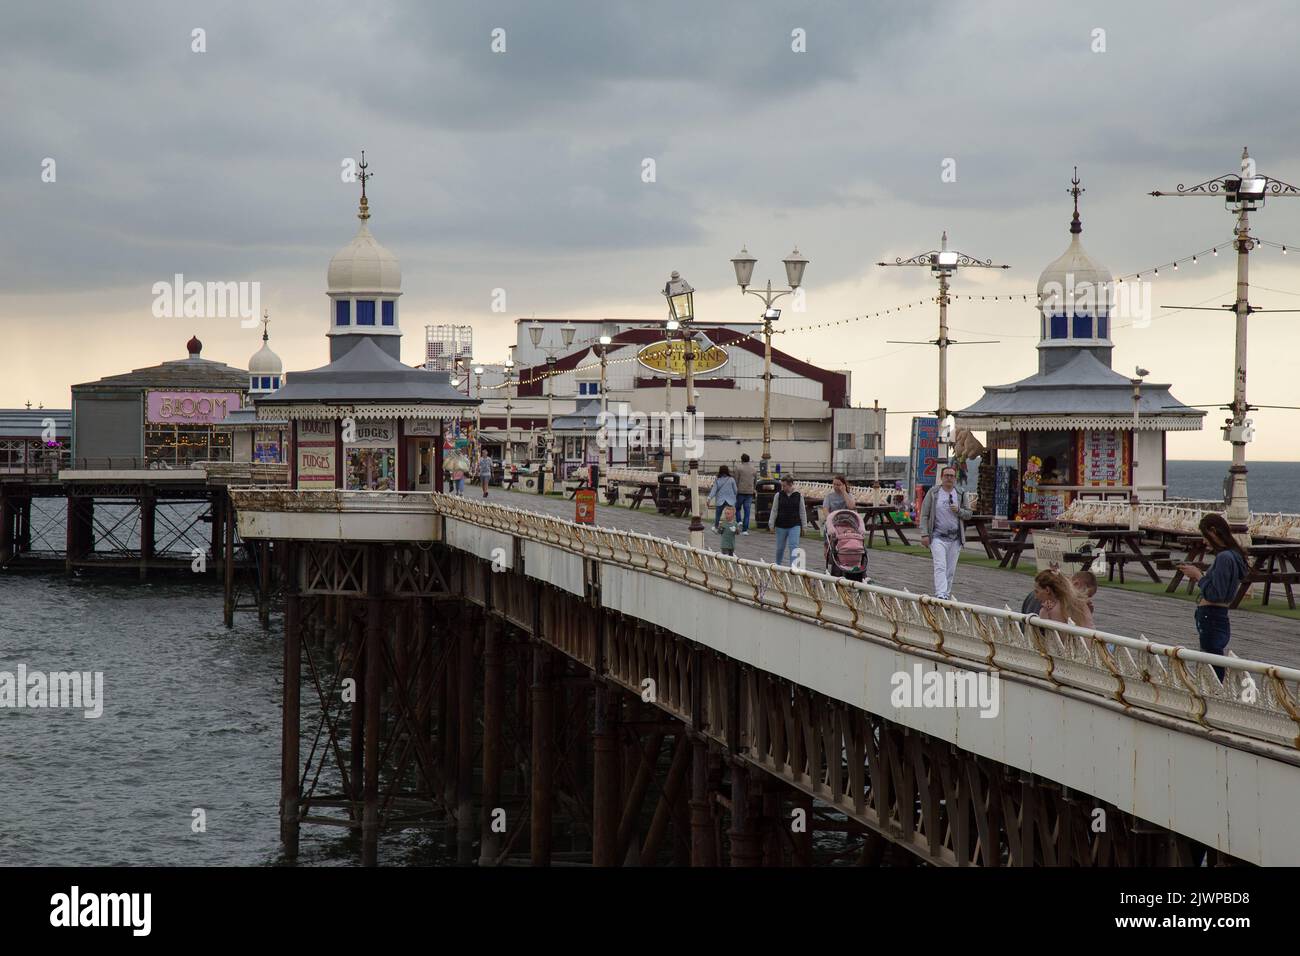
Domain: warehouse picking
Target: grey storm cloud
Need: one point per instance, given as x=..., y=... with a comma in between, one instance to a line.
x=524, y=167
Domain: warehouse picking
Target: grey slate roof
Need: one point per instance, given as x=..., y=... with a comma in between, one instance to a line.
x=27, y=422
x=1082, y=386
x=192, y=372
x=585, y=417
x=365, y=373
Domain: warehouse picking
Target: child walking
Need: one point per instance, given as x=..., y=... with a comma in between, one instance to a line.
x=728, y=528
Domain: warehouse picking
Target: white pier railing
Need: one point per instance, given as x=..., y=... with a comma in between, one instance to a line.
x=1255, y=700
x=1178, y=517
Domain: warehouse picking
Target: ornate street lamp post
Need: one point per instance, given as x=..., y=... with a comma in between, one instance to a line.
x=1136, y=382
x=605, y=342
x=535, y=334
x=795, y=263
x=509, y=457
x=1243, y=192
x=943, y=263
x=681, y=313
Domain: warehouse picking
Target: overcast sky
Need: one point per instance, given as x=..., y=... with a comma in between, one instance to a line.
x=522, y=171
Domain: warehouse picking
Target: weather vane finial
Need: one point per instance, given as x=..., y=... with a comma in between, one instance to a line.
x=266, y=319
x=1076, y=226
x=364, y=212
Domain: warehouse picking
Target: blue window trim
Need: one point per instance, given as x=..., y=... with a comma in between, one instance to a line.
x=365, y=311
x=342, y=312
x=1103, y=323
x=1082, y=326
x=1060, y=327
x=387, y=310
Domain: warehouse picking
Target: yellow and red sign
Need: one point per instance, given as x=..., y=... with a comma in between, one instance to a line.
x=670, y=357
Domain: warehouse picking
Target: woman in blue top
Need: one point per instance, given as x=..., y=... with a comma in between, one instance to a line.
x=1218, y=585
x=723, y=494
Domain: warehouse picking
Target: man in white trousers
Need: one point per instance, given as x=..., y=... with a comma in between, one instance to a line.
x=942, y=530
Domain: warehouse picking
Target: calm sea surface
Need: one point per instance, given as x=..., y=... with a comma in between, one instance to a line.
x=191, y=720
x=1271, y=485
x=192, y=715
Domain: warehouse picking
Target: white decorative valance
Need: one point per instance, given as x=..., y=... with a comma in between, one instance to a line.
x=1031, y=423
x=362, y=412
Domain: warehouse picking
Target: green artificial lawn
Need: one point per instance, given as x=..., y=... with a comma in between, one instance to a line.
x=1276, y=606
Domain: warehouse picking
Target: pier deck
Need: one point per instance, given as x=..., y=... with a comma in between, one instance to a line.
x=1163, y=618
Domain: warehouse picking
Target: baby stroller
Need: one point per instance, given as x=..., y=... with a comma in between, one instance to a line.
x=846, y=554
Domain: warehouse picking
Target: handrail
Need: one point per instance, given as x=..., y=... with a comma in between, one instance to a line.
x=1255, y=699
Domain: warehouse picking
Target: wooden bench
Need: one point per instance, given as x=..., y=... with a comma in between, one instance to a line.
x=1121, y=559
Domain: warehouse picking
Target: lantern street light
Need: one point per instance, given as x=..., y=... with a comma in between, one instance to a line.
x=535, y=330
x=478, y=409
x=795, y=263
x=508, y=458
x=1136, y=382
x=605, y=342
x=944, y=263
x=1243, y=193
x=681, y=314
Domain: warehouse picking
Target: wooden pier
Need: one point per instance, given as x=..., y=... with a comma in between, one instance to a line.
x=487, y=684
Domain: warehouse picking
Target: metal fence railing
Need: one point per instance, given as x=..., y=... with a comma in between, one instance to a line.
x=1254, y=699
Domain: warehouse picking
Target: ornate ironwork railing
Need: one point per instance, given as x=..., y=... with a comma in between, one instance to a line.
x=1254, y=699
x=1179, y=517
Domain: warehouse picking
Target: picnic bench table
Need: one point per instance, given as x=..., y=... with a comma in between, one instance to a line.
x=1268, y=564
x=1115, y=541
x=1195, y=546
x=1011, y=550
x=983, y=525
x=1271, y=564
x=881, y=518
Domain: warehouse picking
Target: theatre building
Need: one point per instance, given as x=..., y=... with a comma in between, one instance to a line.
x=164, y=416
x=365, y=421
x=815, y=430
x=1069, y=431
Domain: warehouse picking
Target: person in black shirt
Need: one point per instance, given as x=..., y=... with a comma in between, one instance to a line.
x=786, y=519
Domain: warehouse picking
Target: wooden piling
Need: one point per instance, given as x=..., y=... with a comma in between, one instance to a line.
x=493, y=705
x=465, y=762
x=228, y=565
x=605, y=783
x=702, y=840
x=543, y=758
x=374, y=666
x=148, y=511
x=290, y=756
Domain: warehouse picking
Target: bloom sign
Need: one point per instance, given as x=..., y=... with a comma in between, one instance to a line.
x=191, y=408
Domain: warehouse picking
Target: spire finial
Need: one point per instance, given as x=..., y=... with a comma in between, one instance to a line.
x=266, y=319
x=364, y=212
x=1076, y=226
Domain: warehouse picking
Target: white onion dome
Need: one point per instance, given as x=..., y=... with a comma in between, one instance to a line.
x=1074, y=282
x=363, y=265
x=1072, y=268
x=264, y=361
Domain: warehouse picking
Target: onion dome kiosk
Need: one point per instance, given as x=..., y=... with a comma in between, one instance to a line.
x=1077, y=428
x=365, y=421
